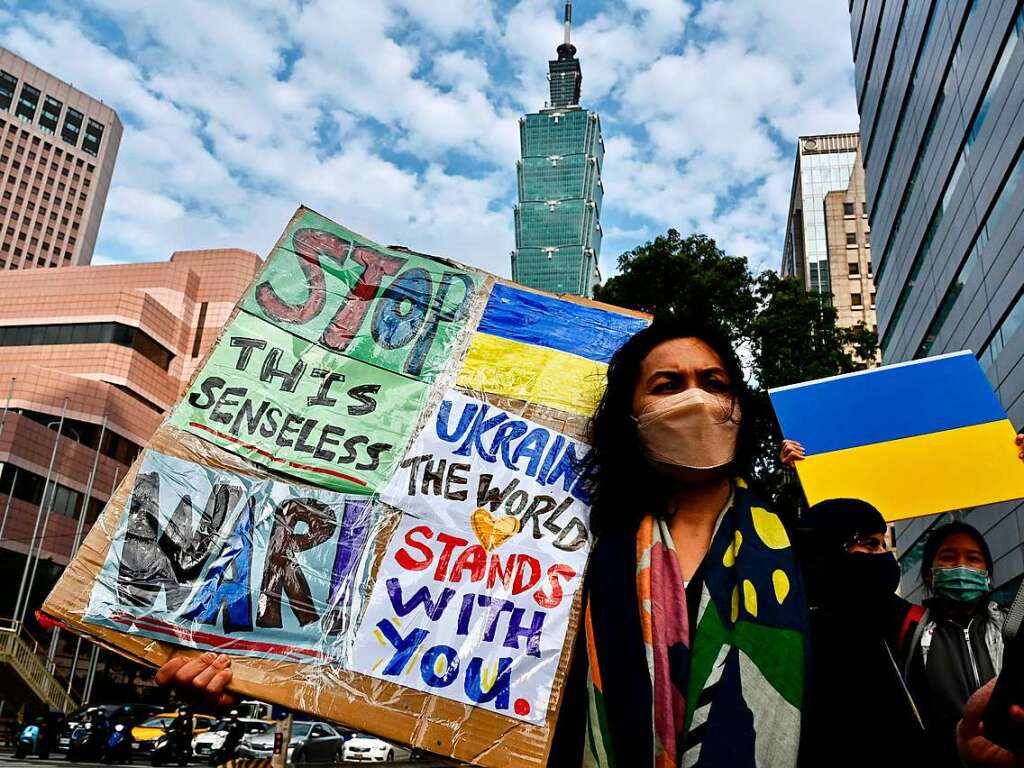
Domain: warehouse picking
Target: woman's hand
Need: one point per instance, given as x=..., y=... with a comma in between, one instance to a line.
x=974, y=748
x=201, y=680
x=792, y=451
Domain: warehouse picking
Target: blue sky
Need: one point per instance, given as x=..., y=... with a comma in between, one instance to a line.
x=398, y=118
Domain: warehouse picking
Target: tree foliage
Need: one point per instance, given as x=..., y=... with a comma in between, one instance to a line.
x=672, y=275
x=786, y=334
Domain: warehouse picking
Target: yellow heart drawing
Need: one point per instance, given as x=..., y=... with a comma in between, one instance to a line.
x=491, y=531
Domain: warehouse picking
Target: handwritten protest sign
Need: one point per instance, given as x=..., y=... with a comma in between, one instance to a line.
x=287, y=403
x=267, y=567
x=490, y=553
x=398, y=311
x=912, y=439
x=374, y=494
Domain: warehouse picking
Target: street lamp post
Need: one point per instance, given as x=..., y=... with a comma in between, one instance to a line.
x=21, y=603
x=46, y=517
x=79, y=528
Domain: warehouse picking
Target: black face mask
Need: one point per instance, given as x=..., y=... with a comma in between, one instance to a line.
x=867, y=580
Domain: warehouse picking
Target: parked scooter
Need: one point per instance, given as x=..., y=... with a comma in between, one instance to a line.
x=118, y=748
x=35, y=739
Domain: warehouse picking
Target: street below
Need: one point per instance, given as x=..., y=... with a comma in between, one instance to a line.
x=7, y=759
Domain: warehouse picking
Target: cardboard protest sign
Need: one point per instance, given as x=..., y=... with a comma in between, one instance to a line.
x=495, y=562
x=374, y=494
x=288, y=403
x=912, y=439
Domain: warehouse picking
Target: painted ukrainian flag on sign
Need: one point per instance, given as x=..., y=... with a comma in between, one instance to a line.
x=545, y=349
x=912, y=439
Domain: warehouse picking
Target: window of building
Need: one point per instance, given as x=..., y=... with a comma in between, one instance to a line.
x=72, y=126
x=200, y=323
x=973, y=257
x=854, y=269
x=93, y=136
x=922, y=148
x=28, y=103
x=8, y=83
x=49, y=117
x=1003, y=333
x=856, y=301
x=1014, y=37
x=30, y=487
x=851, y=238
x=872, y=299
x=88, y=434
x=87, y=333
x=848, y=209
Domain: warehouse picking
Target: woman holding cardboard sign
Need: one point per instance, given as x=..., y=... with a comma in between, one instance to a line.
x=694, y=639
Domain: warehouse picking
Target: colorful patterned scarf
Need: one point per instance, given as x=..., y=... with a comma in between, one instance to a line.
x=730, y=692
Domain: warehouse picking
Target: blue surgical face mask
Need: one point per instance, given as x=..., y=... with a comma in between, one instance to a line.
x=961, y=583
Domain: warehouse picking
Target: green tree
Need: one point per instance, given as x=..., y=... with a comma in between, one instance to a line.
x=786, y=334
x=672, y=274
x=794, y=336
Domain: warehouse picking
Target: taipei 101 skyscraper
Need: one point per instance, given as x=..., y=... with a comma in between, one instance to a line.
x=558, y=229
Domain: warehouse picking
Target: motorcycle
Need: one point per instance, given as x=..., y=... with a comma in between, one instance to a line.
x=172, y=747
x=88, y=741
x=118, y=748
x=228, y=747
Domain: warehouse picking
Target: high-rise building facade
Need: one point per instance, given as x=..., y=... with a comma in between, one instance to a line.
x=828, y=241
x=57, y=151
x=558, y=228
x=91, y=358
x=939, y=88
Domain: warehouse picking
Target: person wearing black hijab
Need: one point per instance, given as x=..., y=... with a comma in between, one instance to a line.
x=855, y=619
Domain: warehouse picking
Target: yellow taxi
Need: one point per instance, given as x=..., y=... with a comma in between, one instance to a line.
x=145, y=735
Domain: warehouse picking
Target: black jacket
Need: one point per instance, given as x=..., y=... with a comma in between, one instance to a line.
x=959, y=662
x=859, y=711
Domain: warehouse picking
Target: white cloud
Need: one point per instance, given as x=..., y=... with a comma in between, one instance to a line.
x=399, y=117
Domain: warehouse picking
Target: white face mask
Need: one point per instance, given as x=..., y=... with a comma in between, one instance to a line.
x=693, y=429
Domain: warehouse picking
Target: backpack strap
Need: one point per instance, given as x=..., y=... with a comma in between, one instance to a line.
x=916, y=619
x=914, y=615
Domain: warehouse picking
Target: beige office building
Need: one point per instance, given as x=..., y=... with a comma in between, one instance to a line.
x=828, y=246
x=57, y=151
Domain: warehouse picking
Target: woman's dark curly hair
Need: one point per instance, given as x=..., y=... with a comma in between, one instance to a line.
x=624, y=486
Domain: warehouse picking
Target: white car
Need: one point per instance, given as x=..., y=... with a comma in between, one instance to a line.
x=363, y=748
x=204, y=744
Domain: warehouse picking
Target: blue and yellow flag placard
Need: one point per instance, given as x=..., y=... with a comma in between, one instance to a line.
x=912, y=439
x=548, y=350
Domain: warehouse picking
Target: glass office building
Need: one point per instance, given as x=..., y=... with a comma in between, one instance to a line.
x=823, y=165
x=940, y=87
x=558, y=228
x=828, y=242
